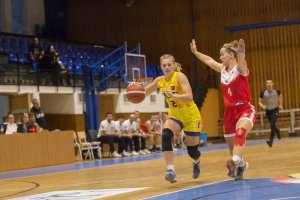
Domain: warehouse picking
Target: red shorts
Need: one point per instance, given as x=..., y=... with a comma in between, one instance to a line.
x=232, y=115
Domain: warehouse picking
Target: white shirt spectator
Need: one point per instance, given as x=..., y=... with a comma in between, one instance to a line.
x=119, y=126
x=130, y=127
x=110, y=127
x=11, y=128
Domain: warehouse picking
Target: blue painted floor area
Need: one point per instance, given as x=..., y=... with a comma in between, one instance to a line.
x=249, y=189
x=106, y=162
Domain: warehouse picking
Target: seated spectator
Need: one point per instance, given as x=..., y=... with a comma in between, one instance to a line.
x=107, y=134
x=126, y=137
x=32, y=126
x=153, y=127
x=144, y=136
x=10, y=126
x=22, y=128
x=35, y=51
x=131, y=129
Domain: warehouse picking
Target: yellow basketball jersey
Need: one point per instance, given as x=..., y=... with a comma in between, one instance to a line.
x=175, y=87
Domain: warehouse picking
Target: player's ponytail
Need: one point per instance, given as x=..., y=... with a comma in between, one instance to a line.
x=169, y=56
x=232, y=47
x=178, y=67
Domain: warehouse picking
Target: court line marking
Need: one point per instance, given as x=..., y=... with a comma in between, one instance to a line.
x=159, y=195
x=186, y=189
x=286, y=198
x=215, y=149
x=92, y=168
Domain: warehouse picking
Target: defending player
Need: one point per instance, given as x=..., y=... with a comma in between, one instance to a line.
x=239, y=114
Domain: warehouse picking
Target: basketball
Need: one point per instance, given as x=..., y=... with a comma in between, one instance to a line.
x=135, y=93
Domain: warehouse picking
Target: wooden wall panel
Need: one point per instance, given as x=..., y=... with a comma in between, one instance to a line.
x=167, y=26
x=271, y=52
x=19, y=103
x=28, y=157
x=160, y=26
x=65, y=121
x=9, y=157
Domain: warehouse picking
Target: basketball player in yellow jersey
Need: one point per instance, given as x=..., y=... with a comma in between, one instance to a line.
x=183, y=114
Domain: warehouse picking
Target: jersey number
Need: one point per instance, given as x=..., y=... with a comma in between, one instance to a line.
x=174, y=104
x=229, y=92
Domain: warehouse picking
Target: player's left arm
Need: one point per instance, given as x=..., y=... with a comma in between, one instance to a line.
x=242, y=64
x=184, y=83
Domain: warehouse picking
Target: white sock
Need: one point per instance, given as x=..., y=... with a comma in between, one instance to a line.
x=238, y=160
x=170, y=167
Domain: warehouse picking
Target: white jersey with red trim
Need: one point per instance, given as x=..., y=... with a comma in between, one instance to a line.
x=235, y=87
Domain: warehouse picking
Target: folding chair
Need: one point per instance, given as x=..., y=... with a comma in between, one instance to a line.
x=77, y=146
x=95, y=144
x=85, y=145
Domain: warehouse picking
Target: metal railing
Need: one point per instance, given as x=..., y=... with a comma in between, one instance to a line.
x=291, y=129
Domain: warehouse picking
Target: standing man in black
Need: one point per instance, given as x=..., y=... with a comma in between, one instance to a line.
x=39, y=115
x=270, y=100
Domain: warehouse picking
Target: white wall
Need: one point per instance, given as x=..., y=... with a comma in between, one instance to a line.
x=146, y=106
x=61, y=103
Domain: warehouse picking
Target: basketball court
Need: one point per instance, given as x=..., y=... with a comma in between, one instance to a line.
x=270, y=176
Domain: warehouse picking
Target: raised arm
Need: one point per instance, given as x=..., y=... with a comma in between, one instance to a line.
x=204, y=58
x=242, y=64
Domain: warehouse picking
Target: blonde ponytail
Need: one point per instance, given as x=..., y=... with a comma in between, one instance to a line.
x=232, y=47
x=178, y=67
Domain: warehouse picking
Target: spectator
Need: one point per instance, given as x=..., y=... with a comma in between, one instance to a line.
x=22, y=128
x=10, y=126
x=39, y=115
x=132, y=129
x=126, y=137
x=32, y=126
x=144, y=136
x=35, y=52
x=270, y=100
x=51, y=62
x=107, y=134
x=154, y=132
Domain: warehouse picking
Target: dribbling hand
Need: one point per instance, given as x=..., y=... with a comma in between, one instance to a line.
x=132, y=83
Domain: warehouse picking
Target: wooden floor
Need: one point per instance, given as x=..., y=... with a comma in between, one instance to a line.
x=282, y=159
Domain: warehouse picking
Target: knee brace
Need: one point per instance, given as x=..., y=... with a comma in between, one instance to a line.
x=194, y=152
x=167, y=135
x=240, y=136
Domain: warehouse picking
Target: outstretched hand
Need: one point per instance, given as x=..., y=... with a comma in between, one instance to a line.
x=193, y=46
x=241, y=48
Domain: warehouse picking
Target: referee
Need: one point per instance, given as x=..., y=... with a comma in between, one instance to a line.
x=270, y=100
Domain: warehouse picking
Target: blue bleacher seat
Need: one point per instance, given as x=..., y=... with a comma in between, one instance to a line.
x=12, y=57
x=22, y=58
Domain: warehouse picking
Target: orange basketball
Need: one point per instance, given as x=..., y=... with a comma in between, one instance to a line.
x=135, y=92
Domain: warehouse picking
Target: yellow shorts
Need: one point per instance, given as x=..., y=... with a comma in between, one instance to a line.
x=188, y=118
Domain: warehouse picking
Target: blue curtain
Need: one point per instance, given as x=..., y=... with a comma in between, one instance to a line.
x=18, y=16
